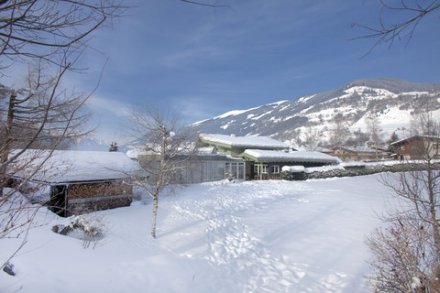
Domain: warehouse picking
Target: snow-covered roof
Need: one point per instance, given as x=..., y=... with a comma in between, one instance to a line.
x=74, y=166
x=206, y=150
x=427, y=137
x=296, y=156
x=251, y=142
x=361, y=149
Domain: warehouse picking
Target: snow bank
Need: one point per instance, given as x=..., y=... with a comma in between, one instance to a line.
x=293, y=169
x=324, y=168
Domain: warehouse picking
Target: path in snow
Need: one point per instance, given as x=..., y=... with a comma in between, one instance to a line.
x=243, y=257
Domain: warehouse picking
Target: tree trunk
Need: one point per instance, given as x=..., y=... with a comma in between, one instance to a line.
x=154, y=215
x=5, y=147
x=433, y=211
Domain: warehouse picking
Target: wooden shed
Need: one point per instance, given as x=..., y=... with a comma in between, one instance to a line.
x=76, y=182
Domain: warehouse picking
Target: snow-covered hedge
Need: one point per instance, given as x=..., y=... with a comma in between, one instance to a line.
x=293, y=169
x=354, y=170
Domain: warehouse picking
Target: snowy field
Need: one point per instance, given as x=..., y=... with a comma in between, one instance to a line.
x=267, y=236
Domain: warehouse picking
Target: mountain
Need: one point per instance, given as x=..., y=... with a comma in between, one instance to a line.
x=392, y=102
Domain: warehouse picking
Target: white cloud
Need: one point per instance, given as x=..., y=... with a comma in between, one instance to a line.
x=113, y=107
x=197, y=108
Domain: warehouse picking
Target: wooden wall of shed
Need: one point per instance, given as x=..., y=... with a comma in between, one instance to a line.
x=85, y=190
x=91, y=206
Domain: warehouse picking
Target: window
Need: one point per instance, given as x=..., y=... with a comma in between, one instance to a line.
x=234, y=170
x=275, y=169
x=260, y=168
x=240, y=171
x=227, y=170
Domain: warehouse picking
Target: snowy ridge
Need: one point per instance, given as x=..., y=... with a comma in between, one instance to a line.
x=234, y=113
x=393, y=102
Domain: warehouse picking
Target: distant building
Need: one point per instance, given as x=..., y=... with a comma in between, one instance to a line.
x=359, y=154
x=74, y=182
x=416, y=147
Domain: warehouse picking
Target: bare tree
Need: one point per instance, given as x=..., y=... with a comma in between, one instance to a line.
x=374, y=129
x=204, y=3
x=403, y=259
x=398, y=20
x=358, y=138
x=311, y=138
x=421, y=190
x=167, y=146
x=340, y=133
x=47, y=30
x=48, y=37
x=39, y=116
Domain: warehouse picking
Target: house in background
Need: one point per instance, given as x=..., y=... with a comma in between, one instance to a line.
x=359, y=153
x=235, y=145
x=260, y=157
x=416, y=147
x=267, y=164
x=204, y=164
x=75, y=182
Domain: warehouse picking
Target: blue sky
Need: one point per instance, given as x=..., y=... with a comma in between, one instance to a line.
x=202, y=61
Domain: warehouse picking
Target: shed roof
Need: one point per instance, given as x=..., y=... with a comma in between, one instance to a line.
x=296, y=156
x=249, y=142
x=72, y=166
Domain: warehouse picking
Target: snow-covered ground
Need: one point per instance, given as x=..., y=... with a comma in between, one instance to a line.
x=266, y=236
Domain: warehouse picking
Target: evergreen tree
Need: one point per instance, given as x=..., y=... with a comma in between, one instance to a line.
x=113, y=147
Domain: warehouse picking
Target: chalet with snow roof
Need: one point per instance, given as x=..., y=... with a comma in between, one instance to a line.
x=236, y=145
x=75, y=182
x=417, y=147
x=261, y=157
x=267, y=164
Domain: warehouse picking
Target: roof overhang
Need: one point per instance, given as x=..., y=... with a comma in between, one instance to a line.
x=265, y=156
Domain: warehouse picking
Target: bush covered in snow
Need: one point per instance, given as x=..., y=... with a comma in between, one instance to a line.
x=83, y=228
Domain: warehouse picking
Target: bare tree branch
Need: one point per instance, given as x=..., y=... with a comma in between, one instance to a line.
x=204, y=3
x=388, y=32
